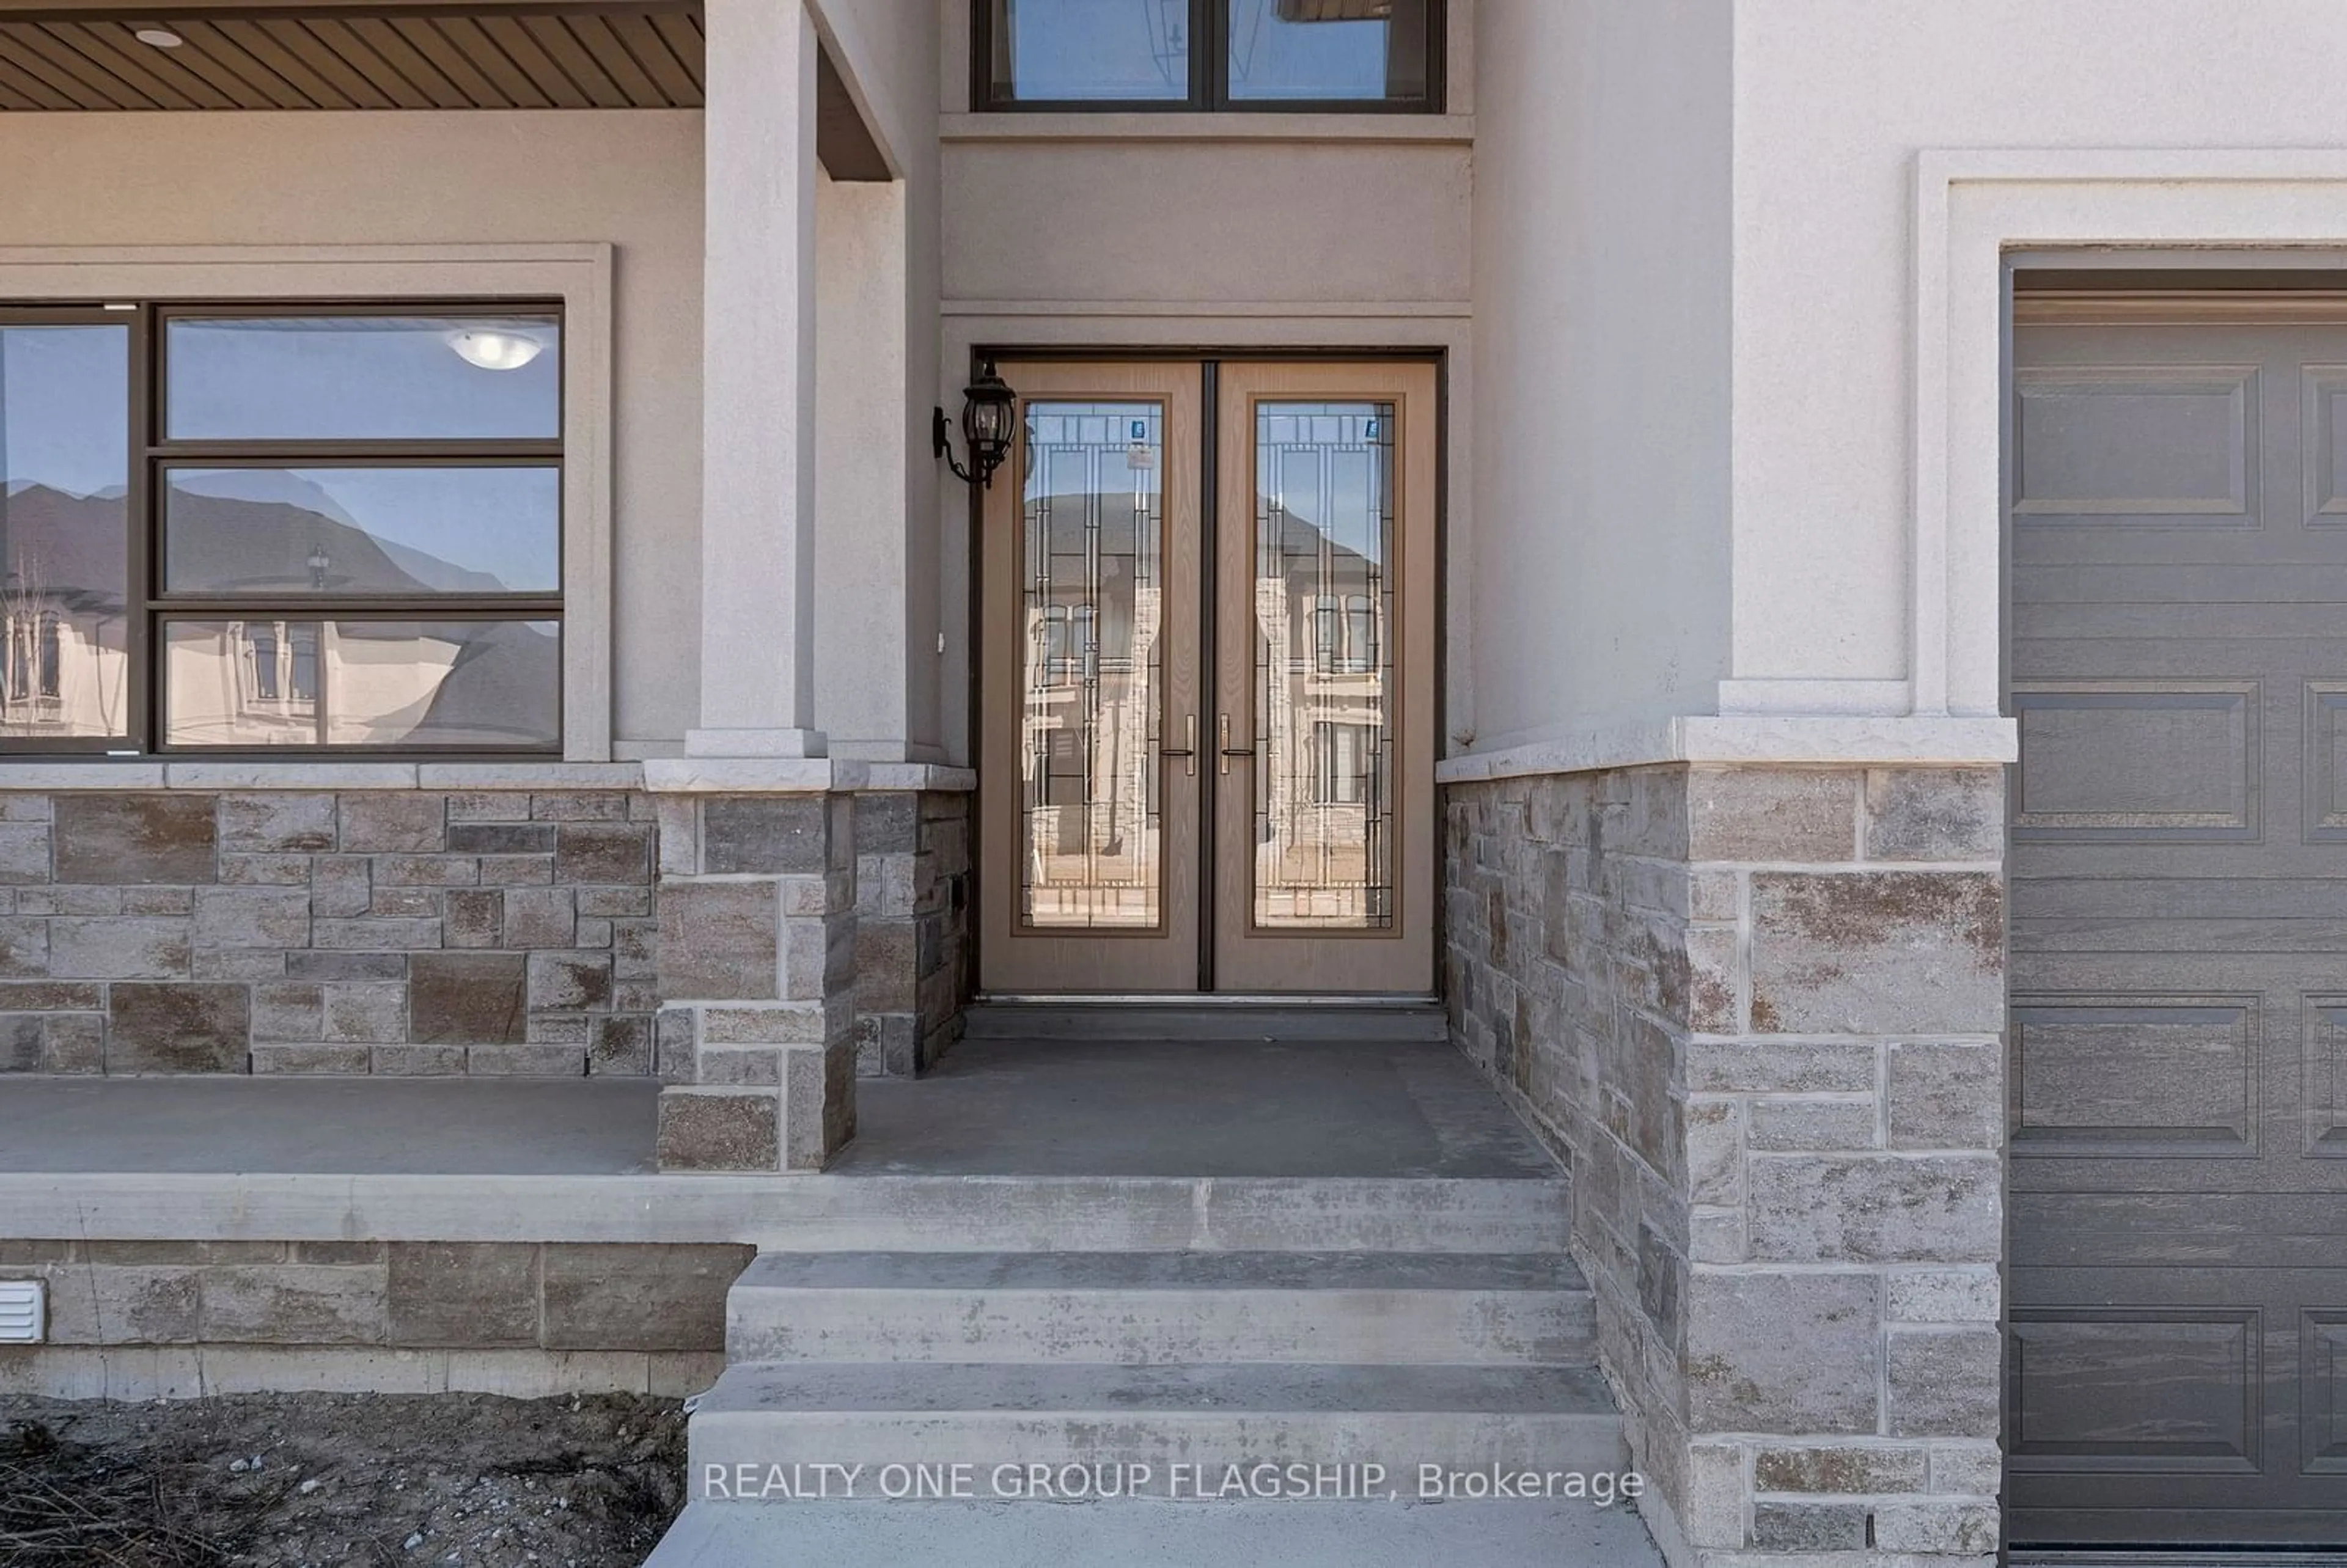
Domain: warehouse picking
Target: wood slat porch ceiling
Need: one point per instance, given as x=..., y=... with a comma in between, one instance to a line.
x=574, y=55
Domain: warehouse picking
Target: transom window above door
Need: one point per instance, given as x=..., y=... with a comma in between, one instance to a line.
x=253, y=528
x=1248, y=54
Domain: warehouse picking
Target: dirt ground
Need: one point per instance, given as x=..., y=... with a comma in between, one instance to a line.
x=338, y=1481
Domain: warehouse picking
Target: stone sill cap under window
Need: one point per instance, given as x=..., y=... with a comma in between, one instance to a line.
x=697, y=776
x=1183, y=124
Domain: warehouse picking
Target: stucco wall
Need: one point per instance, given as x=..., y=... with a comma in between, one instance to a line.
x=863, y=429
x=1833, y=100
x=888, y=54
x=631, y=180
x=1206, y=222
x=1600, y=569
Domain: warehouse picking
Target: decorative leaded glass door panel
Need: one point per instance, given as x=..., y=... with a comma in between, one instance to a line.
x=1207, y=749
x=1324, y=679
x=1090, y=809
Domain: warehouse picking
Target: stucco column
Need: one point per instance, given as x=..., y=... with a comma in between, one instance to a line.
x=758, y=315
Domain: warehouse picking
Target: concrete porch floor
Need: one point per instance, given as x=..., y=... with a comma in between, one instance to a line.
x=1012, y=1145
x=994, y=1108
x=1192, y=1108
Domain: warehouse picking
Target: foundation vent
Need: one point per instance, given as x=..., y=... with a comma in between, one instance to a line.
x=21, y=1317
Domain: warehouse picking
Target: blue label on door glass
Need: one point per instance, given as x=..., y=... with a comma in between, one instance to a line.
x=1369, y=431
x=1141, y=430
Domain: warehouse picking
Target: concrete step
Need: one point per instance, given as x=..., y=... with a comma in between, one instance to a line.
x=860, y=1213
x=1141, y=1214
x=1366, y=1022
x=1151, y=1308
x=1555, y=1533
x=763, y=1418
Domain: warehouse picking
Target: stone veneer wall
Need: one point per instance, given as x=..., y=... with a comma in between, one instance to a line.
x=912, y=928
x=168, y=1320
x=395, y=931
x=1759, y=1011
x=757, y=978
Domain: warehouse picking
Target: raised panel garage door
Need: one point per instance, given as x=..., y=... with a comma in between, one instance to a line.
x=2176, y=1358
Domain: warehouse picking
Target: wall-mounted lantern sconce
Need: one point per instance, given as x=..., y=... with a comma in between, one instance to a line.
x=988, y=409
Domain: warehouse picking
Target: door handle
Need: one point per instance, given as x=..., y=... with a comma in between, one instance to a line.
x=1189, y=751
x=1224, y=747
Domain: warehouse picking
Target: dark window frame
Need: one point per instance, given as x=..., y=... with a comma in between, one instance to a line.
x=150, y=606
x=1210, y=33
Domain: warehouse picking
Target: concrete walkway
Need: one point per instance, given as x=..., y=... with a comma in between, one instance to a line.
x=1157, y=1534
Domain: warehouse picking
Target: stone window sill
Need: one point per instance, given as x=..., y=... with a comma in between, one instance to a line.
x=1441, y=129
x=343, y=775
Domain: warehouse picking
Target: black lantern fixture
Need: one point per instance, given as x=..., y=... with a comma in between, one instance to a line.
x=989, y=407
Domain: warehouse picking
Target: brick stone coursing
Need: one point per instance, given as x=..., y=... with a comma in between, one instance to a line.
x=1759, y=1011
x=912, y=929
x=512, y=1316
x=395, y=932
x=757, y=980
x=552, y=1295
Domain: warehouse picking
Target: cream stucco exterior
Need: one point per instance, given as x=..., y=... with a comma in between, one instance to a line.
x=1600, y=567
x=1641, y=508
x=1839, y=107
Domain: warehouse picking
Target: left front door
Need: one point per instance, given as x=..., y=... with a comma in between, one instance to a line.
x=1089, y=671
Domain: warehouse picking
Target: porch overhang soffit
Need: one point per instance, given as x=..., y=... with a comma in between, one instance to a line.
x=109, y=56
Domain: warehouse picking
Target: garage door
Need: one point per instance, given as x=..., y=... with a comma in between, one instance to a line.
x=2176, y=1358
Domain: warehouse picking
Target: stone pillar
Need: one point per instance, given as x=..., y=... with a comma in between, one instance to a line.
x=757, y=887
x=1845, y=1117
x=913, y=909
x=1760, y=1009
x=757, y=979
x=758, y=369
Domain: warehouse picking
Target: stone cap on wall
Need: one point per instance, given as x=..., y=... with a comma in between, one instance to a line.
x=797, y=775
x=1938, y=741
x=756, y=775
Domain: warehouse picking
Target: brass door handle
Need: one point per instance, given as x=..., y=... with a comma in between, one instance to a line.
x=1224, y=747
x=1188, y=752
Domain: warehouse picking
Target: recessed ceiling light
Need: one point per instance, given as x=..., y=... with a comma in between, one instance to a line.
x=490, y=349
x=159, y=37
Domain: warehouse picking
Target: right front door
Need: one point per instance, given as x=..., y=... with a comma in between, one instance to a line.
x=1206, y=710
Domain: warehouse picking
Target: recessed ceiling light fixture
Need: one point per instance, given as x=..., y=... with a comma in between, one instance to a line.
x=159, y=37
x=490, y=349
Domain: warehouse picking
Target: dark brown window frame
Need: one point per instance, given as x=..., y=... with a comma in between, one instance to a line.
x=1209, y=32
x=147, y=606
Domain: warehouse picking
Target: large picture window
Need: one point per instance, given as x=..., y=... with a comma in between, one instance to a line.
x=250, y=528
x=1348, y=55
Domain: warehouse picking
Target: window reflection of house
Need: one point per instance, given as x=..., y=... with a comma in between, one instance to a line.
x=65, y=668
x=273, y=571
x=348, y=682
x=1094, y=607
x=337, y=680
x=64, y=661
x=1323, y=745
x=1092, y=712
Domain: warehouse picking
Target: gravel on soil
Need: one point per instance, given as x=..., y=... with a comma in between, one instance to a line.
x=339, y=1480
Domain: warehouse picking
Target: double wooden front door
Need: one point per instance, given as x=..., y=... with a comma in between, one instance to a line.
x=1207, y=681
